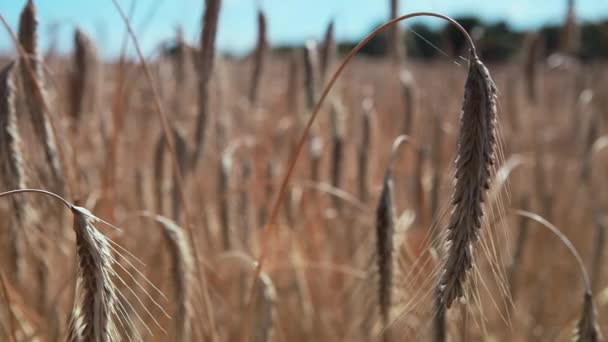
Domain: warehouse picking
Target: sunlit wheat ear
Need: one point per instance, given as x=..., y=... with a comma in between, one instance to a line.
x=311, y=73
x=96, y=292
x=13, y=172
x=474, y=161
x=205, y=69
x=35, y=97
x=586, y=328
x=182, y=270
x=83, y=79
x=258, y=58
x=266, y=298
x=75, y=326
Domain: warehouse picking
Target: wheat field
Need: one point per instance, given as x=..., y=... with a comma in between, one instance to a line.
x=188, y=195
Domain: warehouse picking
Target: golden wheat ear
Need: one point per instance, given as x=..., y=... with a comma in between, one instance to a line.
x=182, y=270
x=32, y=79
x=13, y=174
x=97, y=293
x=476, y=144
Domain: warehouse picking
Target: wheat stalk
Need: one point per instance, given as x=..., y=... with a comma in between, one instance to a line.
x=33, y=86
x=570, y=35
x=473, y=171
x=532, y=52
x=293, y=86
x=396, y=48
x=437, y=149
x=337, y=155
x=586, y=329
x=311, y=73
x=520, y=242
x=266, y=297
x=223, y=184
x=13, y=171
x=97, y=293
x=96, y=303
x=258, y=58
x=243, y=202
x=181, y=67
x=182, y=268
x=181, y=151
x=385, y=227
x=269, y=175
x=159, y=157
x=407, y=87
x=205, y=69
x=83, y=79
x=418, y=188
x=328, y=51
x=598, y=251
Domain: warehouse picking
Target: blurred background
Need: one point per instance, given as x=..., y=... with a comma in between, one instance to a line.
x=349, y=253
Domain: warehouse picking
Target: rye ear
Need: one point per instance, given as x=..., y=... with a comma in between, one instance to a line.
x=474, y=161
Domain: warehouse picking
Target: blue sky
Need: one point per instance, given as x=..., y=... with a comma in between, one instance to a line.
x=289, y=20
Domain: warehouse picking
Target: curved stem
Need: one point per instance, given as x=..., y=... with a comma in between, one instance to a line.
x=288, y=173
x=269, y=227
x=44, y=192
x=564, y=240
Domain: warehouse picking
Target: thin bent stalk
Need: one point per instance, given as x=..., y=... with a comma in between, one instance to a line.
x=586, y=329
x=279, y=198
